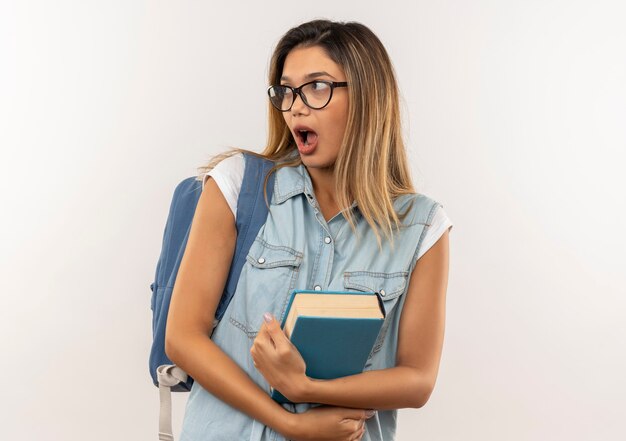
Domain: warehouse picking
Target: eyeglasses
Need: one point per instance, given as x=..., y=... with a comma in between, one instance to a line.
x=315, y=94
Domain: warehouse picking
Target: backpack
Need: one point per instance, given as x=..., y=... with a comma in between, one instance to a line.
x=251, y=215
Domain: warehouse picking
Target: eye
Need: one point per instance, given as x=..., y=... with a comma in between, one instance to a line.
x=319, y=86
x=280, y=91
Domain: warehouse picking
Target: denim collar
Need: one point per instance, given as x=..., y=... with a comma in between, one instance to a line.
x=290, y=182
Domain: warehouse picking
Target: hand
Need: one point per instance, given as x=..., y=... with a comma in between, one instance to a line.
x=329, y=423
x=278, y=360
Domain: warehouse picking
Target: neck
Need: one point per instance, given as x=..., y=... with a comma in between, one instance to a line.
x=323, y=181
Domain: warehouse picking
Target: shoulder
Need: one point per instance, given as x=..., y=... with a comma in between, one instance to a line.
x=232, y=168
x=421, y=210
x=228, y=175
x=439, y=224
x=416, y=208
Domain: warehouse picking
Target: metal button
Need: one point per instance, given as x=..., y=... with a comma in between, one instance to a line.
x=327, y=239
x=317, y=288
x=382, y=293
x=261, y=260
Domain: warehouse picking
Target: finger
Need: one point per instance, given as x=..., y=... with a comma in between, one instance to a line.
x=358, y=414
x=261, y=342
x=273, y=330
x=263, y=338
x=358, y=434
x=362, y=434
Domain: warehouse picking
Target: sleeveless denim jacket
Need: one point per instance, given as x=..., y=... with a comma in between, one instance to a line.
x=298, y=249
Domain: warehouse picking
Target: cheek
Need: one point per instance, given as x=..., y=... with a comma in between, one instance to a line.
x=339, y=121
x=287, y=125
x=339, y=127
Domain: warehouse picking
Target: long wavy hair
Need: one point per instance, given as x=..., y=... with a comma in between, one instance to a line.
x=372, y=167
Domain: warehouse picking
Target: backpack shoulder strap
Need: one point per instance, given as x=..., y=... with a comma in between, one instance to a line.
x=251, y=215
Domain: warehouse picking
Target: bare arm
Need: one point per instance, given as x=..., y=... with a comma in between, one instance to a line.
x=199, y=285
x=410, y=382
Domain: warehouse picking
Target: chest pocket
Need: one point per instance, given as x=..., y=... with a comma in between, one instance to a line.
x=390, y=286
x=266, y=281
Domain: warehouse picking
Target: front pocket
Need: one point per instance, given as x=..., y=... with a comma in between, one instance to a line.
x=390, y=286
x=266, y=281
x=263, y=255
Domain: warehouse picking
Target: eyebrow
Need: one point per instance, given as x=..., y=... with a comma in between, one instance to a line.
x=310, y=76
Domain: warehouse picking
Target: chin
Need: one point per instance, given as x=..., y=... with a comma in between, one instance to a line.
x=310, y=161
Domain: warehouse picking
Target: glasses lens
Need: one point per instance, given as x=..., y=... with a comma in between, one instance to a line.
x=280, y=97
x=317, y=94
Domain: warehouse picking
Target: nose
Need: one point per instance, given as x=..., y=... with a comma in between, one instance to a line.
x=298, y=104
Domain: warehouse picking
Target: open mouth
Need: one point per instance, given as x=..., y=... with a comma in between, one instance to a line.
x=307, y=136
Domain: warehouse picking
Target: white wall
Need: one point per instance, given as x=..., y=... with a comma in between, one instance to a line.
x=516, y=123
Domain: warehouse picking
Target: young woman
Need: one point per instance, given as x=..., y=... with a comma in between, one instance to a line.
x=343, y=216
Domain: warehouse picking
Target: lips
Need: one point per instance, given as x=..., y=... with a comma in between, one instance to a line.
x=306, y=139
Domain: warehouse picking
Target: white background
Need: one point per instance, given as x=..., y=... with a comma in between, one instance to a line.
x=515, y=118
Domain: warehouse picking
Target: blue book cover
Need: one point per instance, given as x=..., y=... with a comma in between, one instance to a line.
x=332, y=347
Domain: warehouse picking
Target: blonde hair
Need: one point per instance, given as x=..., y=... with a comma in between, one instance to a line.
x=372, y=167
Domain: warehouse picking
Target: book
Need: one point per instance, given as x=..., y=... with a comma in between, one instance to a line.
x=334, y=331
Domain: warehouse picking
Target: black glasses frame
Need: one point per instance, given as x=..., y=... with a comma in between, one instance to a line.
x=298, y=91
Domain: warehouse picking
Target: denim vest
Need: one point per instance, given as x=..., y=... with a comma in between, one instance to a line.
x=298, y=249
